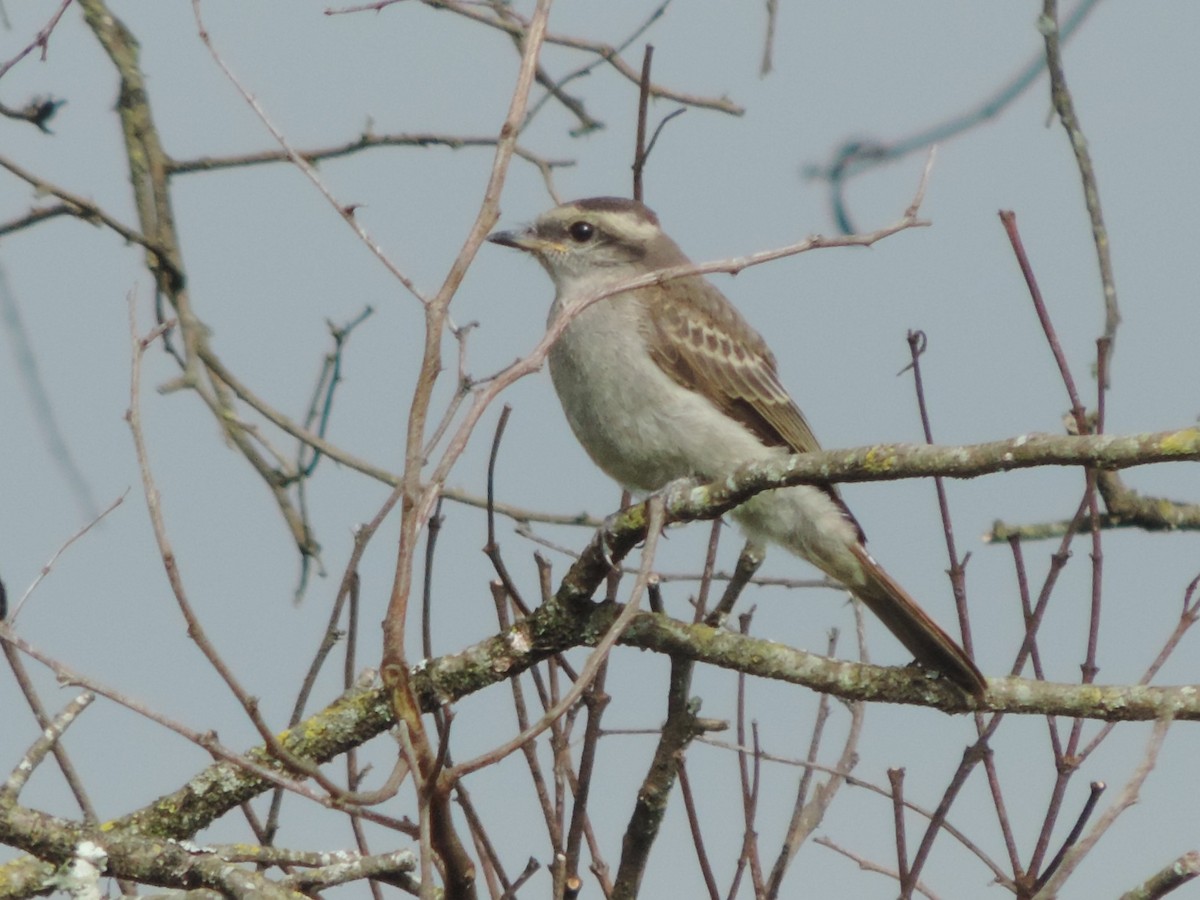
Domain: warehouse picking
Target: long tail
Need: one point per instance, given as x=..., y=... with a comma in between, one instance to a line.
x=913, y=627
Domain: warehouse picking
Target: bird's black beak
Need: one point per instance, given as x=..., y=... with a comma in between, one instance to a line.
x=526, y=239
x=509, y=239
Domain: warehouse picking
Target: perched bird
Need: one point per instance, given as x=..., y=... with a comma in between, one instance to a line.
x=669, y=381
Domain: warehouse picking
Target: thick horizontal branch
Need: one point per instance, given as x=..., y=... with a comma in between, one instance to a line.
x=534, y=639
x=125, y=854
x=558, y=626
x=572, y=621
x=1125, y=508
x=348, y=722
x=891, y=462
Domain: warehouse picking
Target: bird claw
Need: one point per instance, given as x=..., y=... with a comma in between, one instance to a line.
x=670, y=494
x=610, y=522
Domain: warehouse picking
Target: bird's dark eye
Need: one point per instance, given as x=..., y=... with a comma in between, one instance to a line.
x=581, y=232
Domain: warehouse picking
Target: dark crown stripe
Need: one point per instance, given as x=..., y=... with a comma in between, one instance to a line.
x=617, y=204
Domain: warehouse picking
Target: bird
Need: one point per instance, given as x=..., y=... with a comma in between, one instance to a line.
x=669, y=381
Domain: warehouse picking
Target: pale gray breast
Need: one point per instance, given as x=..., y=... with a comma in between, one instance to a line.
x=639, y=425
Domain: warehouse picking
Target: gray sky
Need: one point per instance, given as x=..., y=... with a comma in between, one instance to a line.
x=269, y=262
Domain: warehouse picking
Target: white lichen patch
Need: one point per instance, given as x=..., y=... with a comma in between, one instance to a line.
x=518, y=639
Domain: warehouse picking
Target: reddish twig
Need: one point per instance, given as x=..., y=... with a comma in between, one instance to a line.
x=896, y=780
x=1009, y=219
x=41, y=39
x=917, y=344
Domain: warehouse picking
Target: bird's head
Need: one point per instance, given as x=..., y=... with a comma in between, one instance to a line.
x=600, y=237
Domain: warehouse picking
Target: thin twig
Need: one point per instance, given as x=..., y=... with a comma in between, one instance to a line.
x=867, y=866
x=344, y=210
x=43, y=746
x=1060, y=95
x=693, y=817
x=766, y=65
x=365, y=141
x=596, y=701
x=1097, y=788
x=918, y=343
x=517, y=25
x=34, y=216
x=492, y=548
x=896, y=779
x=84, y=209
x=1009, y=219
x=640, y=152
x=620, y=48
x=857, y=156
x=808, y=812
x=1127, y=797
x=45, y=570
x=41, y=39
x=595, y=660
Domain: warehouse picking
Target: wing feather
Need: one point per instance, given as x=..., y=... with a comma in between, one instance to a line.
x=704, y=344
x=707, y=346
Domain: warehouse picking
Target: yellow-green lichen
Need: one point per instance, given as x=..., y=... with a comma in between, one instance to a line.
x=879, y=460
x=1186, y=441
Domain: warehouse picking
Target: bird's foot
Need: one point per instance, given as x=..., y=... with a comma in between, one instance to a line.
x=609, y=525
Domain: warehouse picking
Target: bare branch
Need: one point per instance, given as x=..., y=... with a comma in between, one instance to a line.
x=1060, y=95
x=610, y=54
x=42, y=39
x=1127, y=797
x=19, y=777
x=1170, y=877
x=45, y=570
x=365, y=141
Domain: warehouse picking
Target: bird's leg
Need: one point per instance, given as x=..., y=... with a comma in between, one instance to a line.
x=671, y=492
x=609, y=524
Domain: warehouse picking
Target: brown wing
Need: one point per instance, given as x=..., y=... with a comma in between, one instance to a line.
x=706, y=345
